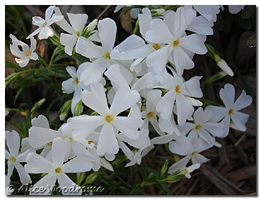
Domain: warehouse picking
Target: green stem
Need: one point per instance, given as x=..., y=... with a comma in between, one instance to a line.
x=136, y=27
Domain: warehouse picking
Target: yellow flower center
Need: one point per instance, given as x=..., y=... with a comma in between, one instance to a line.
x=90, y=142
x=175, y=43
x=150, y=114
x=108, y=118
x=58, y=170
x=156, y=46
x=177, y=89
x=198, y=127
x=76, y=80
x=107, y=55
x=28, y=53
x=44, y=25
x=13, y=159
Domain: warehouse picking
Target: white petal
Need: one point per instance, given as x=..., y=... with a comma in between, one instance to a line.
x=13, y=142
x=15, y=51
x=201, y=25
x=180, y=165
x=76, y=97
x=68, y=41
x=194, y=43
x=184, y=109
x=165, y=105
x=207, y=137
x=128, y=125
x=153, y=98
x=84, y=124
x=37, y=164
x=182, y=146
x=158, y=32
x=22, y=156
x=24, y=176
x=125, y=149
x=67, y=186
x=201, y=116
x=226, y=123
x=68, y=86
x=181, y=60
x=86, y=48
x=192, y=87
x=10, y=168
x=34, y=33
x=45, y=33
x=219, y=112
x=107, y=141
x=198, y=158
x=145, y=81
x=227, y=94
x=208, y=11
x=107, y=31
x=77, y=165
x=163, y=139
x=60, y=148
x=93, y=72
x=33, y=44
x=124, y=99
x=22, y=61
x=240, y=120
x=48, y=12
x=242, y=101
x=115, y=76
x=38, y=21
x=185, y=128
x=96, y=99
x=44, y=185
x=38, y=136
x=77, y=21
x=215, y=129
x=144, y=21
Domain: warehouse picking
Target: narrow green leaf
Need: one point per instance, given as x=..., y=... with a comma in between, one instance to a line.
x=251, y=42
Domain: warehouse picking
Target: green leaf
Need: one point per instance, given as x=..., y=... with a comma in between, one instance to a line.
x=165, y=188
x=153, y=171
x=164, y=168
x=244, y=23
x=248, y=11
x=78, y=109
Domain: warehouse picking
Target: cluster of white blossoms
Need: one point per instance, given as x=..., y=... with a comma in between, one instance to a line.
x=131, y=89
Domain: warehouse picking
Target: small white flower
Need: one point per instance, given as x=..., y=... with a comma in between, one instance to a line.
x=180, y=93
x=15, y=158
x=234, y=9
x=56, y=169
x=109, y=120
x=44, y=29
x=26, y=54
x=230, y=113
x=190, y=148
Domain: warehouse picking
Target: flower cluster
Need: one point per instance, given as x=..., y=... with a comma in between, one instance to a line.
x=127, y=89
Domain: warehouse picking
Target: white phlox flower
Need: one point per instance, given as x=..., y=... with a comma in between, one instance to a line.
x=230, y=113
x=179, y=47
x=56, y=169
x=106, y=55
x=202, y=126
x=77, y=22
x=180, y=93
x=190, y=149
x=189, y=170
x=109, y=120
x=14, y=158
x=73, y=85
x=26, y=53
x=44, y=29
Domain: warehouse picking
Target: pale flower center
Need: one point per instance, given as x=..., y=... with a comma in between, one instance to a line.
x=76, y=80
x=108, y=118
x=12, y=159
x=28, y=53
x=156, y=46
x=107, y=55
x=58, y=170
x=44, y=24
x=78, y=33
